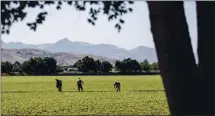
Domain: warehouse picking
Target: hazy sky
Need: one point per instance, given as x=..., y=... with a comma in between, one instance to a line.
x=74, y=26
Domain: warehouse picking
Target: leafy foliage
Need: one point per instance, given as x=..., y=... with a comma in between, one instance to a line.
x=51, y=63
x=6, y=67
x=47, y=65
x=14, y=11
x=155, y=66
x=106, y=66
x=88, y=64
x=145, y=65
x=128, y=65
x=98, y=66
x=17, y=66
x=30, y=95
x=40, y=66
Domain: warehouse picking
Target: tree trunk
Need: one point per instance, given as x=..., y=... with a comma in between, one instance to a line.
x=206, y=52
x=175, y=55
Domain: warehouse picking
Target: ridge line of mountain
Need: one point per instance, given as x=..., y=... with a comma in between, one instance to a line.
x=105, y=50
x=65, y=39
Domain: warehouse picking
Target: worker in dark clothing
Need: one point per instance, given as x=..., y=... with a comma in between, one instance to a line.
x=117, y=86
x=59, y=85
x=79, y=84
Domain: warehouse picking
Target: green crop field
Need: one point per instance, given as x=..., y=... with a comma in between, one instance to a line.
x=140, y=95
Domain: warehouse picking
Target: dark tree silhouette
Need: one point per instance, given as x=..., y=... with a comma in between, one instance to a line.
x=98, y=66
x=106, y=66
x=26, y=67
x=6, y=67
x=51, y=64
x=189, y=92
x=118, y=66
x=39, y=66
x=89, y=64
x=14, y=13
x=16, y=66
x=79, y=65
x=173, y=46
x=128, y=65
x=206, y=54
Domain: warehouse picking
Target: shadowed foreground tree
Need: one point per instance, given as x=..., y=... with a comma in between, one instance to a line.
x=172, y=40
x=206, y=52
x=189, y=92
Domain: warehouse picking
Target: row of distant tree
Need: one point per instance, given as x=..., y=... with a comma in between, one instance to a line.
x=35, y=66
x=48, y=65
x=88, y=64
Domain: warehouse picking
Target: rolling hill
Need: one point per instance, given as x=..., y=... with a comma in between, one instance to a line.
x=62, y=58
x=105, y=50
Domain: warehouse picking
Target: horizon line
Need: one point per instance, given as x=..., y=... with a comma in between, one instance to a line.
x=77, y=42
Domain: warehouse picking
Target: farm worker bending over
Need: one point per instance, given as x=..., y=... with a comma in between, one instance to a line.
x=117, y=86
x=59, y=85
x=79, y=84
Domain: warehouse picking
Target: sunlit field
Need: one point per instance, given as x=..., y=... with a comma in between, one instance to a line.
x=140, y=95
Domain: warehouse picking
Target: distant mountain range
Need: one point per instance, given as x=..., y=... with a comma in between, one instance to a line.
x=62, y=58
x=67, y=51
x=105, y=50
